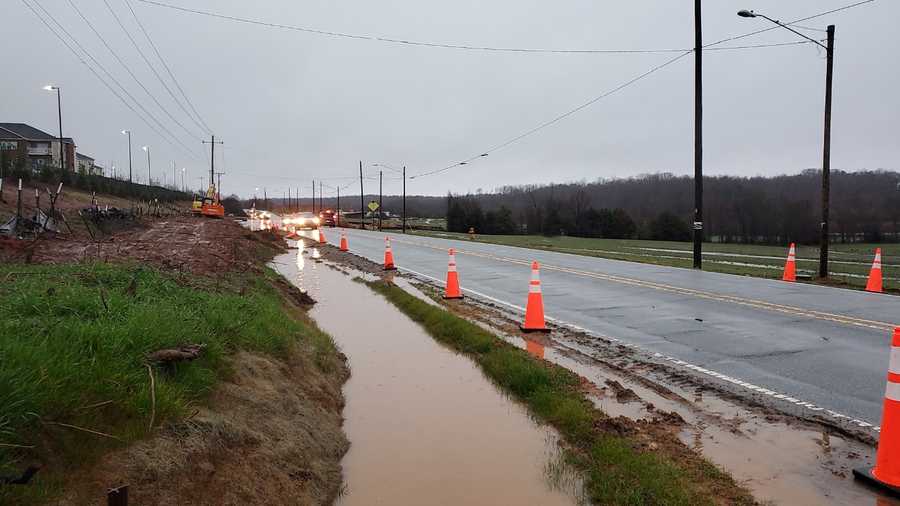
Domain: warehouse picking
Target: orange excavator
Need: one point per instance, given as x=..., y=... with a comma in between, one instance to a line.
x=210, y=205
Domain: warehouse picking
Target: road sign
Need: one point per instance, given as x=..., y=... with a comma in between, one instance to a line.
x=373, y=206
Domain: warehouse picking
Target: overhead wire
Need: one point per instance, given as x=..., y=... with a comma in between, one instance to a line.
x=557, y=118
x=147, y=61
x=628, y=83
x=177, y=144
x=202, y=123
x=407, y=42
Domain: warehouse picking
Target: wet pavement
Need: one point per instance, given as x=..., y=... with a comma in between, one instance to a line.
x=820, y=346
x=425, y=426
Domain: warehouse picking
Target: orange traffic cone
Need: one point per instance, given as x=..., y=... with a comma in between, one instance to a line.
x=322, y=236
x=790, y=267
x=874, y=283
x=534, y=311
x=452, y=291
x=388, y=255
x=344, y=242
x=886, y=472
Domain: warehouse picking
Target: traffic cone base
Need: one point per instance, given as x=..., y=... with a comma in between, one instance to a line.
x=874, y=284
x=886, y=473
x=451, y=290
x=790, y=267
x=534, y=310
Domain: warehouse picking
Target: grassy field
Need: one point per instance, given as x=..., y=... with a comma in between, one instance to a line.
x=74, y=379
x=617, y=471
x=849, y=264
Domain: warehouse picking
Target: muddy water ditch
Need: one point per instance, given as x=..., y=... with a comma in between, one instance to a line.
x=425, y=426
x=780, y=459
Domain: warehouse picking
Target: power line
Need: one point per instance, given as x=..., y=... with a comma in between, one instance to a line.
x=472, y=47
x=390, y=40
x=203, y=125
x=558, y=118
x=651, y=71
x=179, y=144
x=133, y=43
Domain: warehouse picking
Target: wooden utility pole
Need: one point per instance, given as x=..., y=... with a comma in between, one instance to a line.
x=362, y=198
x=698, y=138
x=404, y=199
x=826, y=155
x=380, y=202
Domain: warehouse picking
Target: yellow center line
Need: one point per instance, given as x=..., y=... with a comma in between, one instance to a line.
x=754, y=303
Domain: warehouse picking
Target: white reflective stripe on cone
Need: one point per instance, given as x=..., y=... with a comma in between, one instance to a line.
x=892, y=391
x=894, y=365
x=534, y=289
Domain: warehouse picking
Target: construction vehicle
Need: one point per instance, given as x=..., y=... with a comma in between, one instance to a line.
x=210, y=205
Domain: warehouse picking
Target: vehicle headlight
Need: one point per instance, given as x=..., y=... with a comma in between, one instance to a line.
x=315, y=220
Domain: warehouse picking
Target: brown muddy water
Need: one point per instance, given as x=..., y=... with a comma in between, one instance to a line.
x=425, y=426
x=780, y=462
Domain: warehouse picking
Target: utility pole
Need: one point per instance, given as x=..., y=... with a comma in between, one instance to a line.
x=212, y=159
x=404, y=199
x=362, y=198
x=174, y=176
x=826, y=155
x=219, y=185
x=380, y=197
x=337, y=219
x=698, y=137
x=266, y=198
x=321, y=204
x=201, y=184
x=314, y=196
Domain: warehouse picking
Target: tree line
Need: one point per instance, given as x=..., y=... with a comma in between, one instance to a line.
x=865, y=206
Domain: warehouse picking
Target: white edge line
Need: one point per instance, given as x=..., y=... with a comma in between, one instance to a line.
x=686, y=365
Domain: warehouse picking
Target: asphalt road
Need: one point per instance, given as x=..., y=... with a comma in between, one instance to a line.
x=816, y=344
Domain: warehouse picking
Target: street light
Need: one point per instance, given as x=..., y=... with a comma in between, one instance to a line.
x=826, y=145
x=147, y=149
x=62, y=157
x=128, y=133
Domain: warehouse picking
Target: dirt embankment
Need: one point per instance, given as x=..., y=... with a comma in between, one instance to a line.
x=269, y=433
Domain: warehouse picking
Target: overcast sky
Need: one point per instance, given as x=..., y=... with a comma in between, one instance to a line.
x=292, y=107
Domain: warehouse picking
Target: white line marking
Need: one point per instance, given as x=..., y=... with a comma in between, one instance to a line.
x=728, y=379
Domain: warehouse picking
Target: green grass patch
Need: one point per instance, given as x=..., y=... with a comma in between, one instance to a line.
x=73, y=342
x=617, y=472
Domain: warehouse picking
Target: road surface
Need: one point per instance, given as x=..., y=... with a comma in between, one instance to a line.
x=826, y=349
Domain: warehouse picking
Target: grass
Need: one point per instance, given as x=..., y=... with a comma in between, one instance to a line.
x=617, y=471
x=73, y=342
x=849, y=263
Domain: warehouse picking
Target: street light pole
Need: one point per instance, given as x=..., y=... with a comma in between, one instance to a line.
x=147, y=149
x=698, y=137
x=128, y=132
x=826, y=145
x=362, y=198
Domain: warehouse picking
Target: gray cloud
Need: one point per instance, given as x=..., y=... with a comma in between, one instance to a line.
x=292, y=107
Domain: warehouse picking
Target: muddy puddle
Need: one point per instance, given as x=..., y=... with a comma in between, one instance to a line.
x=425, y=426
x=780, y=461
